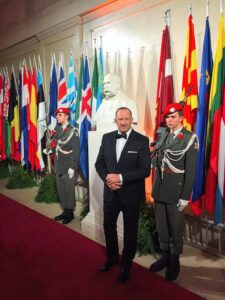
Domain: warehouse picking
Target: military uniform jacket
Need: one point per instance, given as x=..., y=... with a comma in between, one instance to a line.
x=67, y=150
x=134, y=165
x=169, y=186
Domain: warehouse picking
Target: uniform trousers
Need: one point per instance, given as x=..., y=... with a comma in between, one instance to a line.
x=170, y=225
x=112, y=209
x=66, y=191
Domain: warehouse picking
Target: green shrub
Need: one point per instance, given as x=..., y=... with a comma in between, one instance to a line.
x=4, y=170
x=147, y=242
x=47, y=191
x=21, y=179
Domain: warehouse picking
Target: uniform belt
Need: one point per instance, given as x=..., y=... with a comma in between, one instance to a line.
x=167, y=170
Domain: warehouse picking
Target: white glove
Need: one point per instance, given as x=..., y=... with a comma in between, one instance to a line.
x=182, y=204
x=47, y=151
x=70, y=173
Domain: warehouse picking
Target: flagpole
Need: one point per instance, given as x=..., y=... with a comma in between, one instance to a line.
x=190, y=9
x=221, y=6
x=207, y=8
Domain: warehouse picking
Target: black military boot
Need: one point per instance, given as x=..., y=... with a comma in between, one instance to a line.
x=173, y=269
x=61, y=216
x=160, y=264
x=69, y=216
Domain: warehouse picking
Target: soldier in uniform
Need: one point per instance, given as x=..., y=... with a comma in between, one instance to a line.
x=175, y=163
x=67, y=152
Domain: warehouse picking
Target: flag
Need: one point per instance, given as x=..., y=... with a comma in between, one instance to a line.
x=7, y=126
x=41, y=118
x=23, y=119
x=13, y=118
x=72, y=90
x=220, y=194
x=95, y=85
x=190, y=81
x=33, y=136
x=62, y=93
x=100, y=79
x=53, y=96
x=165, y=89
x=79, y=93
x=214, y=119
x=202, y=115
x=2, y=120
x=85, y=120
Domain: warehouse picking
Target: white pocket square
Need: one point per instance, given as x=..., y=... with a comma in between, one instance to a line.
x=132, y=151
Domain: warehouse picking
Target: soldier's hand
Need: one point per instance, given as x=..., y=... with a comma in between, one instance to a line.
x=71, y=173
x=47, y=151
x=182, y=204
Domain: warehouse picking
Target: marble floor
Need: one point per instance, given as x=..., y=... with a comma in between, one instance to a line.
x=201, y=272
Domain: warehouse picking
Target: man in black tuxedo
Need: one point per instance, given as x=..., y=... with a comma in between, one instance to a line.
x=123, y=163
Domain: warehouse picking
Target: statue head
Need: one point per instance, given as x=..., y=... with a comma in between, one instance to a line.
x=111, y=85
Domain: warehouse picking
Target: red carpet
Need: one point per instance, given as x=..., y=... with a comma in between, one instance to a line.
x=42, y=259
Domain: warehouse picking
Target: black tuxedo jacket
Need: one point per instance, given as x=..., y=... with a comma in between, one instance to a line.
x=134, y=166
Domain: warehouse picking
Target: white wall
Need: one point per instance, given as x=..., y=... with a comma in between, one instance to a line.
x=133, y=27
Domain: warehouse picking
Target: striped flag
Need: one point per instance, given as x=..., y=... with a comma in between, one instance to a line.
x=23, y=119
x=72, y=90
x=95, y=85
x=214, y=119
x=7, y=126
x=41, y=118
x=2, y=121
x=100, y=79
x=190, y=81
x=13, y=118
x=165, y=89
x=79, y=93
x=53, y=96
x=33, y=139
x=85, y=120
x=62, y=93
x=201, y=126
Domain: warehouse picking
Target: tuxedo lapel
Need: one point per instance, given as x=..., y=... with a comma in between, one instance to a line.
x=129, y=142
x=114, y=148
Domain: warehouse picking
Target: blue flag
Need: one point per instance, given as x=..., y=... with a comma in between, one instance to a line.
x=85, y=118
x=201, y=126
x=72, y=88
x=53, y=94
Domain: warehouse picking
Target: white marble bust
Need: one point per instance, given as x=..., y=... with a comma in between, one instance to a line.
x=114, y=98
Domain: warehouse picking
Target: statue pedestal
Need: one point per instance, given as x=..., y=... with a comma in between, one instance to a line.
x=93, y=222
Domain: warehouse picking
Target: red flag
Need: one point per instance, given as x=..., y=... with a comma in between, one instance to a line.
x=33, y=143
x=165, y=90
x=190, y=81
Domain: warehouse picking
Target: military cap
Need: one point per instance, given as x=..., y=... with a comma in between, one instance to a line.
x=172, y=108
x=64, y=110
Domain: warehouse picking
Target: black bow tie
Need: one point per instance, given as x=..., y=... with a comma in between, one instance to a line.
x=121, y=136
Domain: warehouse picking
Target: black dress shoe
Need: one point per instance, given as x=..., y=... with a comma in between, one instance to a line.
x=173, y=269
x=108, y=265
x=160, y=264
x=68, y=218
x=123, y=276
x=61, y=216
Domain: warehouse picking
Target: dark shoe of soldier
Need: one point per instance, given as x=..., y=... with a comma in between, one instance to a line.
x=68, y=217
x=108, y=265
x=123, y=276
x=61, y=216
x=173, y=270
x=160, y=264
